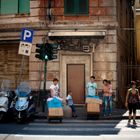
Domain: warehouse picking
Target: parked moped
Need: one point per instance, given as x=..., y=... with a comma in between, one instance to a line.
x=24, y=105
x=5, y=100
x=3, y=104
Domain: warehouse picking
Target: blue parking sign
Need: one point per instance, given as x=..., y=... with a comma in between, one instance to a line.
x=27, y=35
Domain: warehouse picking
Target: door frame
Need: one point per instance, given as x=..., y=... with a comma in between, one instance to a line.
x=67, y=57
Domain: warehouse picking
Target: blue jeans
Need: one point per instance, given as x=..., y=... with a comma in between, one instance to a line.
x=73, y=108
x=107, y=105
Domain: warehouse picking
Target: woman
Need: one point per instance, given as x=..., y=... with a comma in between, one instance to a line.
x=110, y=97
x=106, y=93
x=132, y=99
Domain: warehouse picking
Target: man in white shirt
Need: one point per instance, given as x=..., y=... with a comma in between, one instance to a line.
x=54, y=88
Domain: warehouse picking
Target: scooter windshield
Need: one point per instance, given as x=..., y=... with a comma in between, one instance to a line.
x=23, y=94
x=23, y=90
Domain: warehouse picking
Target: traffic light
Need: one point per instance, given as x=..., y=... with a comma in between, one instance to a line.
x=51, y=51
x=46, y=51
x=40, y=51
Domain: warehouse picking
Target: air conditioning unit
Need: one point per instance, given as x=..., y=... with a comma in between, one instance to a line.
x=86, y=48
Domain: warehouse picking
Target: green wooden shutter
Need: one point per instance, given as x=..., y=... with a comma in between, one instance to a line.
x=9, y=7
x=24, y=6
x=69, y=7
x=83, y=6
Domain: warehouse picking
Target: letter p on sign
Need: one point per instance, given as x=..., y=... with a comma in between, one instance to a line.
x=27, y=35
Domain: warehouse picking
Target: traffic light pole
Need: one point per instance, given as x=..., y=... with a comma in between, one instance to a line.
x=44, y=88
x=45, y=73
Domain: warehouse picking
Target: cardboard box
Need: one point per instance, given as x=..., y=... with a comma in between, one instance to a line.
x=55, y=112
x=93, y=100
x=93, y=108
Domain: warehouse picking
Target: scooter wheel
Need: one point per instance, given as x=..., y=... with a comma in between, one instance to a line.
x=1, y=116
x=19, y=120
x=60, y=120
x=49, y=120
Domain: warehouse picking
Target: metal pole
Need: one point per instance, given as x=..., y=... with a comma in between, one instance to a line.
x=21, y=69
x=45, y=74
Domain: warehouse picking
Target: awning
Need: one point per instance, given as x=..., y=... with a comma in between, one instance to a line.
x=97, y=33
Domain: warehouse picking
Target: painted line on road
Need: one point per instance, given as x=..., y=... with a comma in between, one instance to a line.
x=69, y=137
x=79, y=125
x=106, y=129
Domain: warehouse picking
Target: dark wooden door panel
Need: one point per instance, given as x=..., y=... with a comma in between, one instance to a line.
x=76, y=82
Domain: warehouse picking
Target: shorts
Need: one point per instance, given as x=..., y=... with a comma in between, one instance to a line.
x=132, y=108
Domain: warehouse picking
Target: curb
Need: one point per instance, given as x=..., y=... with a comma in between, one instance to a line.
x=38, y=116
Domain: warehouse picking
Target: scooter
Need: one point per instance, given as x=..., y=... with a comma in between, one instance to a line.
x=3, y=104
x=24, y=106
x=6, y=98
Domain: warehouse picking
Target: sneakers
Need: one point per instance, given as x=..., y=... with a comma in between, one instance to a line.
x=134, y=122
x=74, y=116
x=128, y=122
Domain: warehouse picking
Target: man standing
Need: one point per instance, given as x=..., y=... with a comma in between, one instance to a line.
x=92, y=87
x=54, y=88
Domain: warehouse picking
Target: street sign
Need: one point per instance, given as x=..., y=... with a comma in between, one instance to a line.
x=25, y=48
x=26, y=42
x=27, y=35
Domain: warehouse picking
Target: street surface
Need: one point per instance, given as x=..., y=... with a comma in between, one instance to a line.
x=40, y=129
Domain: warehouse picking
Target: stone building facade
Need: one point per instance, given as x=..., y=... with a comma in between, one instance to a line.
x=91, y=38
x=137, y=31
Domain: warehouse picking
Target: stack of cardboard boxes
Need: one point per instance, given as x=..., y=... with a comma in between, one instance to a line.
x=55, y=107
x=93, y=105
x=55, y=112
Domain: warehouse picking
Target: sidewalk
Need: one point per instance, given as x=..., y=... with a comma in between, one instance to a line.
x=116, y=114
x=81, y=112
x=120, y=114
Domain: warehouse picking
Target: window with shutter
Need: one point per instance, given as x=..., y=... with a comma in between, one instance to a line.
x=76, y=7
x=14, y=6
x=83, y=6
x=8, y=6
x=24, y=6
x=69, y=6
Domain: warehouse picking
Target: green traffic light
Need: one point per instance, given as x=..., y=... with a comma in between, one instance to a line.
x=46, y=51
x=46, y=57
x=51, y=51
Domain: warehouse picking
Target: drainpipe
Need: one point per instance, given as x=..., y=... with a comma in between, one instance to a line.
x=49, y=12
x=92, y=57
